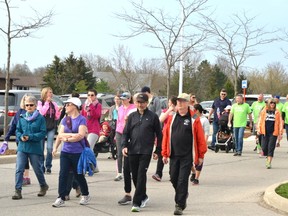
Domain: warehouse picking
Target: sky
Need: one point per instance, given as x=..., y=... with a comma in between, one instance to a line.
x=87, y=27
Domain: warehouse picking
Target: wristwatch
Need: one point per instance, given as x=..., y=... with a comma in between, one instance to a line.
x=67, y=139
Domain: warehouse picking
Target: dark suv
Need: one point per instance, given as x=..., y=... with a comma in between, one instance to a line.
x=14, y=100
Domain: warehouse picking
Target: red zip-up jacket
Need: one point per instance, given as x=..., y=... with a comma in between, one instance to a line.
x=199, y=144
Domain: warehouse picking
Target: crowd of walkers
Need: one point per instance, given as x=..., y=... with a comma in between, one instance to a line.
x=177, y=135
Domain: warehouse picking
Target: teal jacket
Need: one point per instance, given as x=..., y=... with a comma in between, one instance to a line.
x=35, y=129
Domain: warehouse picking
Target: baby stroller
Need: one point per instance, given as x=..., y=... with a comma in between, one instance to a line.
x=108, y=144
x=224, y=137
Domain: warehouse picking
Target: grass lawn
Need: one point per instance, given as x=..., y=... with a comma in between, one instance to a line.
x=282, y=190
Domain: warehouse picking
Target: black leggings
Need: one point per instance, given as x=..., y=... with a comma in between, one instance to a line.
x=268, y=144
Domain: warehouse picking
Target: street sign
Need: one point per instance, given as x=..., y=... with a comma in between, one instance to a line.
x=244, y=84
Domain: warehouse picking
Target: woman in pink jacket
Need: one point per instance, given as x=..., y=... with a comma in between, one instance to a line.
x=51, y=112
x=91, y=109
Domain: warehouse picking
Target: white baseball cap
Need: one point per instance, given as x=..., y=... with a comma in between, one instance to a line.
x=75, y=101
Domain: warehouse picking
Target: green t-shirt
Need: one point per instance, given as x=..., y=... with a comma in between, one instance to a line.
x=285, y=110
x=240, y=112
x=256, y=109
x=279, y=106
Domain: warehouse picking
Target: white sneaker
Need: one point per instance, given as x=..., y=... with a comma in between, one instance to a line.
x=144, y=202
x=58, y=203
x=84, y=200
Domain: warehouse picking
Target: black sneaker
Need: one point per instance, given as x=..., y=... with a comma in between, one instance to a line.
x=192, y=177
x=195, y=182
x=48, y=171
x=125, y=200
x=178, y=210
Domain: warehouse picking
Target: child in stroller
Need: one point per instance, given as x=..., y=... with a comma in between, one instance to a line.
x=106, y=142
x=224, y=137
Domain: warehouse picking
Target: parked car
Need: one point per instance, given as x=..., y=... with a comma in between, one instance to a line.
x=207, y=105
x=14, y=100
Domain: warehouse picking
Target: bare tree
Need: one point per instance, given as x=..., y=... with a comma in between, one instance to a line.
x=14, y=31
x=167, y=29
x=238, y=40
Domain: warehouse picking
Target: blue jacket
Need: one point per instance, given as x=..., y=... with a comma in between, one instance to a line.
x=87, y=162
x=36, y=130
x=12, y=128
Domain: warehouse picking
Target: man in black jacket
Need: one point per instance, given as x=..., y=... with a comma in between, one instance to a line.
x=141, y=130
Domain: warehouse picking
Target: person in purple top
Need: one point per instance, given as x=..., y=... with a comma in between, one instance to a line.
x=72, y=131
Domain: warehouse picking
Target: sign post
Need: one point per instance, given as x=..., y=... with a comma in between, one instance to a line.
x=244, y=86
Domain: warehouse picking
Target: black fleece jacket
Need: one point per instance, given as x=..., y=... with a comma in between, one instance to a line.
x=140, y=132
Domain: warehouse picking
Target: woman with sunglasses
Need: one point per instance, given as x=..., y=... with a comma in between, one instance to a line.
x=270, y=127
x=91, y=109
x=30, y=131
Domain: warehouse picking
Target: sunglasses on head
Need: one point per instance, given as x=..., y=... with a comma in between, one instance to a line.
x=29, y=105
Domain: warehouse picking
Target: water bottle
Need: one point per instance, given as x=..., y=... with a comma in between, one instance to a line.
x=218, y=112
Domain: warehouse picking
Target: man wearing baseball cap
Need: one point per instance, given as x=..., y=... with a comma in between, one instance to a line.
x=183, y=139
x=141, y=129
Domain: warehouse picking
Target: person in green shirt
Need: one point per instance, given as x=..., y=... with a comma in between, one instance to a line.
x=285, y=115
x=256, y=108
x=279, y=106
x=239, y=113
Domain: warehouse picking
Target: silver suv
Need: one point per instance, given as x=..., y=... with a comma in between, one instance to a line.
x=14, y=100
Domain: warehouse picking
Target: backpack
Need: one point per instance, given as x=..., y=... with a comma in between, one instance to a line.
x=50, y=120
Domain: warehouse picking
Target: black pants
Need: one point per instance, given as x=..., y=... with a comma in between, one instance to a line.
x=180, y=168
x=127, y=175
x=268, y=144
x=139, y=165
x=160, y=166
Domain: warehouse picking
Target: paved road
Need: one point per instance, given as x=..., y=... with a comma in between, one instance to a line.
x=228, y=186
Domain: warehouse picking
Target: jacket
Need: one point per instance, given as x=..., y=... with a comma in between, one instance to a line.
x=92, y=113
x=13, y=125
x=278, y=127
x=36, y=130
x=139, y=133
x=199, y=144
x=87, y=162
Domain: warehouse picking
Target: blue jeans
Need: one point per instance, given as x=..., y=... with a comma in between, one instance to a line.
x=35, y=160
x=286, y=129
x=215, y=131
x=69, y=161
x=49, y=148
x=238, y=135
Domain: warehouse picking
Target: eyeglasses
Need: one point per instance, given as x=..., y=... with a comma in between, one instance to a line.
x=92, y=95
x=29, y=105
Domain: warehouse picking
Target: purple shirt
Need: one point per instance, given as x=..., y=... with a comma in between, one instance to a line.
x=73, y=147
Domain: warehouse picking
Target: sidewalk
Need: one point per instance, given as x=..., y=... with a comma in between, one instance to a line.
x=228, y=186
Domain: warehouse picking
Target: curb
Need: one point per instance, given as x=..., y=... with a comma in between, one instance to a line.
x=275, y=200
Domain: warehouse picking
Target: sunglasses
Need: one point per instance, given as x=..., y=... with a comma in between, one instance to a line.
x=92, y=95
x=272, y=103
x=193, y=96
x=224, y=94
x=29, y=105
x=69, y=104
